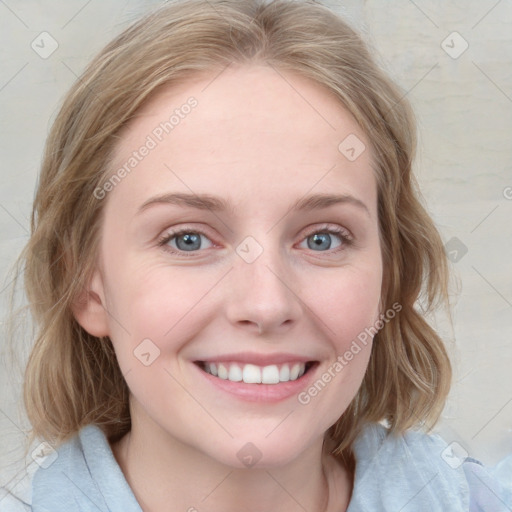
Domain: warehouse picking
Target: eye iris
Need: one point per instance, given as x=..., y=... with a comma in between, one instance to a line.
x=191, y=241
x=318, y=240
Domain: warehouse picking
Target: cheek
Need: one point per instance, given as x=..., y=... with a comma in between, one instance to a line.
x=348, y=309
x=348, y=304
x=157, y=305
x=157, y=313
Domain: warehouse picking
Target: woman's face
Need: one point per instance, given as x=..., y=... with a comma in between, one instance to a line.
x=276, y=271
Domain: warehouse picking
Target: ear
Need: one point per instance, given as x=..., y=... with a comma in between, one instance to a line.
x=90, y=310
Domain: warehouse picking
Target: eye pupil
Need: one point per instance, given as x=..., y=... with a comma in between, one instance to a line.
x=320, y=240
x=191, y=241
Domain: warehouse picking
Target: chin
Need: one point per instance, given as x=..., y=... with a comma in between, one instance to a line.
x=261, y=453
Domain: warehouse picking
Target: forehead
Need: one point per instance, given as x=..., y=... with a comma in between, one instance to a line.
x=251, y=131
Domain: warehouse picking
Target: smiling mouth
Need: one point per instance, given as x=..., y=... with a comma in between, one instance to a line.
x=254, y=374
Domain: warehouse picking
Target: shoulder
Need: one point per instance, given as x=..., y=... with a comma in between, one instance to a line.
x=418, y=471
x=81, y=474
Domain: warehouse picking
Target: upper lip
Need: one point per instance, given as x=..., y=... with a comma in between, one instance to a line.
x=257, y=359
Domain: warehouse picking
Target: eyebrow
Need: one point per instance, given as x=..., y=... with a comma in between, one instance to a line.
x=217, y=204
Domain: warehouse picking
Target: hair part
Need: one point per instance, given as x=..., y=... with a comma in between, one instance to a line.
x=73, y=378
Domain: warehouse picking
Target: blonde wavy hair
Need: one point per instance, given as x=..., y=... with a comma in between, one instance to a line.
x=72, y=378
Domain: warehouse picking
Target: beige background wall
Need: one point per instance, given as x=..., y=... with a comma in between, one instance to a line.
x=463, y=100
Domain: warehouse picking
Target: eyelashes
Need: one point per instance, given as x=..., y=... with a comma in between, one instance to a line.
x=191, y=242
x=168, y=237
x=341, y=233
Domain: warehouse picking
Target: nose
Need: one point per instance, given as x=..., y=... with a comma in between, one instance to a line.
x=263, y=295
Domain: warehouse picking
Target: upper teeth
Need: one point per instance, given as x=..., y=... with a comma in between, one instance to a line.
x=252, y=374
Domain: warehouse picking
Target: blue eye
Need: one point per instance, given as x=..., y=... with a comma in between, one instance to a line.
x=190, y=241
x=187, y=241
x=321, y=241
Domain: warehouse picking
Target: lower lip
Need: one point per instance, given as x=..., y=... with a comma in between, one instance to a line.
x=267, y=393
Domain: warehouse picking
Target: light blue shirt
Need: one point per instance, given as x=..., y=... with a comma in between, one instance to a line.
x=410, y=473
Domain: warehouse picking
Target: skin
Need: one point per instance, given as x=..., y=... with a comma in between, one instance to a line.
x=260, y=140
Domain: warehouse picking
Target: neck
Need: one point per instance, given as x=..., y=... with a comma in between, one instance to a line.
x=162, y=471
